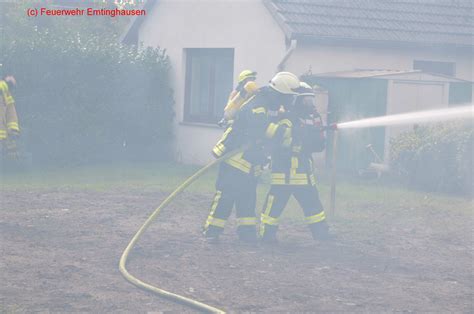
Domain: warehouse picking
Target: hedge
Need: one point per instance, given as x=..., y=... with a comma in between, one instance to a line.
x=436, y=158
x=84, y=99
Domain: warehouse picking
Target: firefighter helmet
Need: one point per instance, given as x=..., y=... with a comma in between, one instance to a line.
x=305, y=90
x=246, y=74
x=285, y=83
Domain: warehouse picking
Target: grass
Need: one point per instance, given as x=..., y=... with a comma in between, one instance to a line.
x=164, y=176
x=355, y=199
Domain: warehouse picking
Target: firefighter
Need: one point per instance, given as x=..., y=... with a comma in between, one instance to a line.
x=9, y=127
x=245, y=89
x=292, y=170
x=237, y=178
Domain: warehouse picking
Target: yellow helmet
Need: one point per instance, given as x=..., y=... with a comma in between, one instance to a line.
x=245, y=74
x=285, y=83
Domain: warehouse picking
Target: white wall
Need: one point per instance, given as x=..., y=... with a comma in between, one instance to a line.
x=245, y=25
x=327, y=58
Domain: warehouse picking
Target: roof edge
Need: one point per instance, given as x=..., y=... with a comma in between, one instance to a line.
x=382, y=75
x=272, y=8
x=388, y=43
x=134, y=25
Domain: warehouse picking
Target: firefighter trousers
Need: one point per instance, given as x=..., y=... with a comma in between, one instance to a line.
x=8, y=120
x=307, y=196
x=233, y=188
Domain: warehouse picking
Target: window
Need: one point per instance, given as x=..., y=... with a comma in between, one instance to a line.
x=446, y=68
x=209, y=77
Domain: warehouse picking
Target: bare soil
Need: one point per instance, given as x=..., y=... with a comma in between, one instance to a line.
x=60, y=250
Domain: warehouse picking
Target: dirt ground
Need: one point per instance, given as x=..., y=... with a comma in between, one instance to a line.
x=60, y=250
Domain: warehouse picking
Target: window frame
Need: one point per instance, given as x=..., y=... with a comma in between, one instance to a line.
x=204, y=52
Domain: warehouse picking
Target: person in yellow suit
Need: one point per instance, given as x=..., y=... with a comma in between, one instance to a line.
x=245, y=89
x=292, y=170
x=9, y=127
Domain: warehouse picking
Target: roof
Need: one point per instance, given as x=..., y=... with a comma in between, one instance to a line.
x=389, y=74
x=363, y=73
x=433, y=22
x=445, y=22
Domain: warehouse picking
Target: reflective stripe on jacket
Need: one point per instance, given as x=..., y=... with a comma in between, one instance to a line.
x=292, y=162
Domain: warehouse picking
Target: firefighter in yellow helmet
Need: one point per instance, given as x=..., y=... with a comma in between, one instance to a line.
x=9, y=127
x=292, y=171
x=245, y=89
x=237, y=178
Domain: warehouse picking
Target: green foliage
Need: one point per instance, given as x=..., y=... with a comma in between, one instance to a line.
x=436, y=158
x=83, y=97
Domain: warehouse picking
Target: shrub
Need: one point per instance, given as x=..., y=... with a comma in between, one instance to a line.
x=436, y=158
x=84, y=99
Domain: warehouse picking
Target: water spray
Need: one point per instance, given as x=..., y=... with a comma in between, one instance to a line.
x=428, y=116
x=437, y=115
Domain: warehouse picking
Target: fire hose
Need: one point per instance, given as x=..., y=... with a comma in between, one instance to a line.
x=123, y=259
x=169, y=295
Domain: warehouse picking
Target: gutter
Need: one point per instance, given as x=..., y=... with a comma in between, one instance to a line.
x=281, y=65
x=282, y=22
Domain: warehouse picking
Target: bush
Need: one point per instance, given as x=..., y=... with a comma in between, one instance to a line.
x=84, y=99
x=436, y=158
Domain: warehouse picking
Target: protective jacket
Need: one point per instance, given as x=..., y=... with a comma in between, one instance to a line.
x=292, y=173
x=255, y=124
x=292, y=162
x=8, y=116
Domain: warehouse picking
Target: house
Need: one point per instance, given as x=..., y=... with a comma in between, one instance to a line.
x=210, y=42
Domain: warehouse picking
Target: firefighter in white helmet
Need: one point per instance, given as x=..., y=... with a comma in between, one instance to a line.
x=245, y=89
x=237, y=178
x=292, y=171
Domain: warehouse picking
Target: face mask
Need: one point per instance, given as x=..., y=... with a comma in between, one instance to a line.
x=305, y=105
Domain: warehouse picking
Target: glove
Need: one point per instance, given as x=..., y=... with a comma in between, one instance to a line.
x=222, y=123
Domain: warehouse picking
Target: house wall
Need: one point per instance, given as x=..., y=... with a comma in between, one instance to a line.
x=323, y=58
x=244, y=25
x=407, y=96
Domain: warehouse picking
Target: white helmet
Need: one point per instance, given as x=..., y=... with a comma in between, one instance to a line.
x=285, y=83
x=305, y=90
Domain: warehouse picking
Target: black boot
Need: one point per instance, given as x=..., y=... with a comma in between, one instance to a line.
x=211, y=234
x=247, y=234
x=320, y=231
x=269, y=235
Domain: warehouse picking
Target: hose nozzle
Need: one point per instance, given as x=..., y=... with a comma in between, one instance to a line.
x=332, y=127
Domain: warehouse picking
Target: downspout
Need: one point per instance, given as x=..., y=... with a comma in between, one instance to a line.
x=281, y=65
